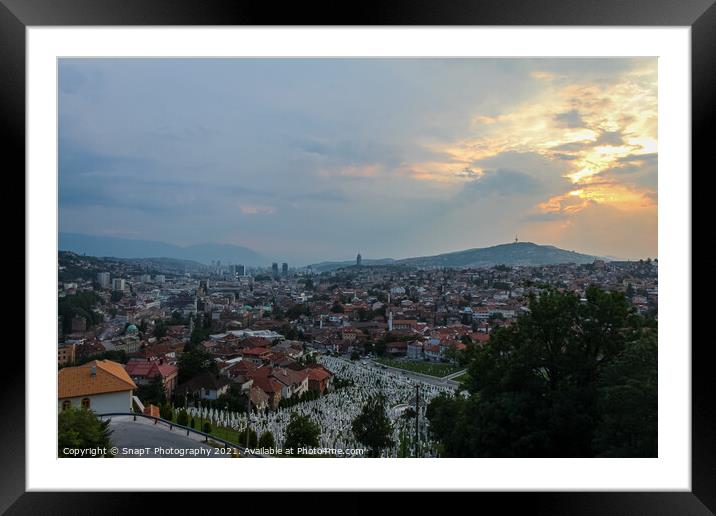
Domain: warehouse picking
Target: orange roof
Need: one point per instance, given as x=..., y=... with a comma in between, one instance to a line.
x=78, y=381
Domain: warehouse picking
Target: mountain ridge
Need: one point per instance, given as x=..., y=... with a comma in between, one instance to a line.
x=513, y=253
x=116, y=247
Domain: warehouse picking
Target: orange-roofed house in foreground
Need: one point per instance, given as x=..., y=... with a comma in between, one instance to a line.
x=101, y=385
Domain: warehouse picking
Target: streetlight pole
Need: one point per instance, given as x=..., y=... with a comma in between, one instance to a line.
x=417, y=416
x=248, y=413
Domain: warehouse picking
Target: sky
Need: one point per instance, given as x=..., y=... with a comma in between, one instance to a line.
x=305, y=160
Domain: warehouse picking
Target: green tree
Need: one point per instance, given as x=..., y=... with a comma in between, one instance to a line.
x=206, y=427
x=380, y=348
x=267, y=440
x=302, y=432
x=166, y=412
x=372, y=426
x=153, y=392
x=551, y=385
x=182, y=418
x=80, y=428
x=337, y=308
x=160, y=328
x=195, y=361
x=252, y=441
x=627, y=401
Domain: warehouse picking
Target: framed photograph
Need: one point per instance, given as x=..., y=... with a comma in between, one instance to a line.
x=423, y=252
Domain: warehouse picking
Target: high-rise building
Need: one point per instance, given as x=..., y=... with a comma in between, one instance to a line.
x=240, y=270
x=103, y=278
x=359, y=259
x=160, y=278
x=284, y=269
x=274, y=268
x=118, y=284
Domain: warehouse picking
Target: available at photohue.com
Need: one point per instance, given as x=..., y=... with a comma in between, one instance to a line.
x=357, y=258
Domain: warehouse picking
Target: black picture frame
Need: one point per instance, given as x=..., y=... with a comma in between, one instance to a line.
x=700, y=15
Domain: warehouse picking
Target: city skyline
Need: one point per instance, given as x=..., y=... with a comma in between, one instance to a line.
x=317, y=159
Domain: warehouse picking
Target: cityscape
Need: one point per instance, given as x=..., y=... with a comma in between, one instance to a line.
x=487, y=294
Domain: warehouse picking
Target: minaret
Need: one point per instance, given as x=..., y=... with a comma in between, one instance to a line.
x=390, y=321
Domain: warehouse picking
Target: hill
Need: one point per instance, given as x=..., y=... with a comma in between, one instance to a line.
x=517, y=253
x=129, y=248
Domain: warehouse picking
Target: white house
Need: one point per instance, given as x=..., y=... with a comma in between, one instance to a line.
x=101, y=385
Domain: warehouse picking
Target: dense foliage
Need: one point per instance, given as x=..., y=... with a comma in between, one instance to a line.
x=79, y=428
x=570, y=379
x=372, y=426
x=81, y=304
x=302, y=432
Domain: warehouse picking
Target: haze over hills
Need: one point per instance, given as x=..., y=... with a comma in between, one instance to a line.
x=517, y=253
x=129, y=248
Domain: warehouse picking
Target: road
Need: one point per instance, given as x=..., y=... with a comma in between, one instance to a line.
x=142, y=439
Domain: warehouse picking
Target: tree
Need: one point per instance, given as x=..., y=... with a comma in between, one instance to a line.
x=561, y=382
x=166, y=412
x=153, y=392
x=79, y=428
x=160, y=328
x=195, y=361
x=206, y=427
x=627, y=400
x=380, y=348
x=372, y=426
x=253, y=439
x=182, y=418
x=302, y=432
x=337, y=308
x=267, y=440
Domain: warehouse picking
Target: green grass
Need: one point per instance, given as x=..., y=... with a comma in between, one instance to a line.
x=228, y=434
x=437, y=369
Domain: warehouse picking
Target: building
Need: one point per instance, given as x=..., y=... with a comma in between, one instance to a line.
x=293, y=383
x=359, y=259
x=240, y=270
x=207, y=386
x=144, y=372
x=66, y=354
x=284, y=269
x=101, y=385
x=274, y=269
x=319, y=379
x=103, y=278
x=160, y=278
x=118, y=284
x=415, y=350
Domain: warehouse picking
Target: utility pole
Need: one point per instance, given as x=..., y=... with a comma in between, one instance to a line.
x=248, y=413
x=417, y=416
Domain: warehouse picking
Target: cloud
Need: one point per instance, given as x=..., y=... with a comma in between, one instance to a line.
x=571, y=119
x=503, y=182
x=385, y=154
